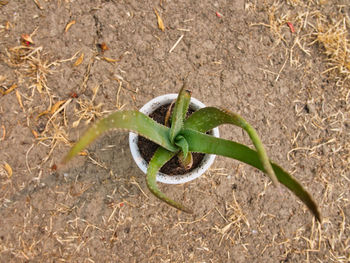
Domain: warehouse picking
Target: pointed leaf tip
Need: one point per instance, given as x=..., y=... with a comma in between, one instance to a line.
x=134, y=121
x=160, y=157
x=200, y=142
x=179, y=113
x=210, y=117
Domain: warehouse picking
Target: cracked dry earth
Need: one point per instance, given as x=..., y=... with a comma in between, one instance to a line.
x=89, y=58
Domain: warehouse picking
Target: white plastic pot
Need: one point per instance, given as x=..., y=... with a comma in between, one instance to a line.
x=207, y=161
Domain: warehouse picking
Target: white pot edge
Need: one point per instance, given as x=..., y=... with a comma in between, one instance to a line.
x=207, y=161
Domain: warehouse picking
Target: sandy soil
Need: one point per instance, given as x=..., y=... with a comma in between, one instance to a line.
x=89, y=58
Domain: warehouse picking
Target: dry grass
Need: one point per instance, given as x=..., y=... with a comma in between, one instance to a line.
x=76, y=234
x=31, y=64
x=316, y=32
x=310, y=25
x=88, y=111
x=32, y=67
x=234, y=223
x=335, y=39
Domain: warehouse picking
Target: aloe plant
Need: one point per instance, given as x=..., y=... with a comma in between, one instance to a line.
x=187, y=135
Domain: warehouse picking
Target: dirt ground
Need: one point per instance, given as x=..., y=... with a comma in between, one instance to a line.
x=283, y=65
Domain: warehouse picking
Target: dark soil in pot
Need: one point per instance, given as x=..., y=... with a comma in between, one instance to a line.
x=148, y=148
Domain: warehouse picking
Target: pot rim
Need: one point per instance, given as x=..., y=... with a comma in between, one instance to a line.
x=207, y=161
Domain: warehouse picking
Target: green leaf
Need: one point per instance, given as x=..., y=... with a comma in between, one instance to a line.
x=134, y=121
x=160, y=157
x=183, y=145
x=208, y=118
x=200, y=142
x=179, y=113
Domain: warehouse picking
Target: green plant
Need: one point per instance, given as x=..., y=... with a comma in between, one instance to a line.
x=189, y=135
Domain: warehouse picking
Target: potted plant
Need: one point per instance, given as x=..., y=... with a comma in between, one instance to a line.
x=174, y=178
x=187, y=135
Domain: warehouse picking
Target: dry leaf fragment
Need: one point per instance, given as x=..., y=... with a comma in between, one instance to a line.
x=111, y=60
x=42, y=113
x=103, y=46
x=8, y=25
x=4, y=2
x=3, y=132
x=54, y=167
x=38, y=4
x=55, y=107
x=69, y=25
x=95, y=90
x=83, y=153
x=79, y=60
x=27, y=38
x=35, y=134
x=9, y=90
x=291, y=27
x=19, y=99
x=219, y=15
x=76, y=123
x=73, y=95
x=39, y=87
x=160, y=21
x=225, y=228
x=8, y=170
